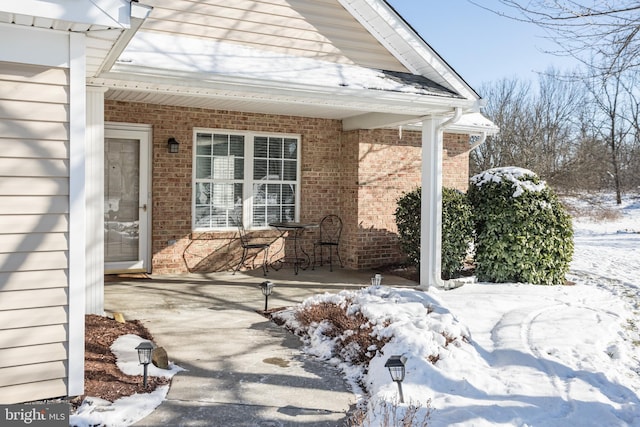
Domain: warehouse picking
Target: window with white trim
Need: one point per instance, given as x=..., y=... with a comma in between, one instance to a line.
x=244, y=175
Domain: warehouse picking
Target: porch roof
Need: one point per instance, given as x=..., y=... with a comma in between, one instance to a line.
x=335, y=59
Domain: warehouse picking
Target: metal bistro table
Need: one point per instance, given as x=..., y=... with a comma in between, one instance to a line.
x=301, y=259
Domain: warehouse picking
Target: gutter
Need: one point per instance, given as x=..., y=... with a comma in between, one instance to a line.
x=456, y=116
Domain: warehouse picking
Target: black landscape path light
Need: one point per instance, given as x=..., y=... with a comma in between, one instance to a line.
x=395, y=364
x=266, y=288
x=145, y=348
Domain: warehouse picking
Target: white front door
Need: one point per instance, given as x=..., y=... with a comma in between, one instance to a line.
x=127, y=198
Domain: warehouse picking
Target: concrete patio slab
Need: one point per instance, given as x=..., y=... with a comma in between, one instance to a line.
x=241, y=369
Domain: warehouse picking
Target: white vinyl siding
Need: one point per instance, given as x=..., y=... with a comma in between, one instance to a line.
x=293, y=27
x=34, y=230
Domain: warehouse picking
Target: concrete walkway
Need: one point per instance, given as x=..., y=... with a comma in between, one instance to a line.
x=241, y=369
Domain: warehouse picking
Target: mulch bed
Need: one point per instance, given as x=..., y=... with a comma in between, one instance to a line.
x=103, y=379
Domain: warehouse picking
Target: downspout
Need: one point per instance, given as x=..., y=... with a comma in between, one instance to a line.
x=431, y=205
x=483, y=138
x=456, y=116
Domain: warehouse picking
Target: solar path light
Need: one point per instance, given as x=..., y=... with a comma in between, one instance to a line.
x=395, y=364
x=145, y=348
x=266, y=288
x=376, y=280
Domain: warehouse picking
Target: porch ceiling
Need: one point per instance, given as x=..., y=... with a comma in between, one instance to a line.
x=339, y=106
x=234, y=94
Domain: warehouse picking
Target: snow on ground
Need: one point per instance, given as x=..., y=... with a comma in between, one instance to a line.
x=127, y=410
x=505, y=354
x=519, y=354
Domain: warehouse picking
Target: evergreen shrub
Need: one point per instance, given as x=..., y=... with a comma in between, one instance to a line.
x=457, y=229
x=523, y=233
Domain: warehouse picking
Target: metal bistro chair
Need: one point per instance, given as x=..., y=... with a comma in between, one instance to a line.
x=249, y=245
x=330, y=231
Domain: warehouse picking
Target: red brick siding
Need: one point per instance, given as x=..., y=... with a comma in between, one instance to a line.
x=388, y=167
x=455, y=161
x=358, y=175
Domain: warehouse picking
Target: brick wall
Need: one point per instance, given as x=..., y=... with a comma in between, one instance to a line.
x=455, y=161
x=388, y=167
x=358, y=175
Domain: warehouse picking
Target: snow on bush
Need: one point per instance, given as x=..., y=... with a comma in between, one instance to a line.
x=523, y=233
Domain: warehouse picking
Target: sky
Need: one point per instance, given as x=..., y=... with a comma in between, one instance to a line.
x=480, y=45
x=483, y=354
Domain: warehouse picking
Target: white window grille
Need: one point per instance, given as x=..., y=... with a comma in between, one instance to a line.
x=244, y=176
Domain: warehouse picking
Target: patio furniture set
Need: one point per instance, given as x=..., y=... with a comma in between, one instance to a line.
x=330, y=230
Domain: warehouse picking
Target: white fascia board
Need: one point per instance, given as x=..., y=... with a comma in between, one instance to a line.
x=407, y=46
x=35, y=46
x=109, y=13
x=473, y=123
x=139, y=14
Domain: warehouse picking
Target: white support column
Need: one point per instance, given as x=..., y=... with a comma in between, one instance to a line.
x=77, y=212
x=431, y=206
x=95, y=201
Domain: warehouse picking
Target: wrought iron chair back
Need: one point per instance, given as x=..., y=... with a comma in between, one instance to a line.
x=249, y=244
x=330, y=233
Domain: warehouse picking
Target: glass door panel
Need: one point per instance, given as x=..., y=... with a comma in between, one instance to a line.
x=121, y=200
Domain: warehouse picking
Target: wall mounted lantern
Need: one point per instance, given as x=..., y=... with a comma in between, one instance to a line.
x=145, y=348
x=395, y=364
x=174, y=145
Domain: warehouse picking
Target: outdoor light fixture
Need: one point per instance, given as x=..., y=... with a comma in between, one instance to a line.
x=376, y=280
x=266, y=288
x=174, y=145
x=145, y=348
x=395, y=364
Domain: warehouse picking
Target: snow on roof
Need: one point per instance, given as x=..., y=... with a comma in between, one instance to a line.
x=191, y=55
x=473, y=123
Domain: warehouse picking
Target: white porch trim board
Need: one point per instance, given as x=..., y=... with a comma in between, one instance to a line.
x=95, y=201
x=77, y=213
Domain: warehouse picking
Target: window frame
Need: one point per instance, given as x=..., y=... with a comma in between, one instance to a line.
x=249, y=180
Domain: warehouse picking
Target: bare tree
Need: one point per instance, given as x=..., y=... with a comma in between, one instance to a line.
x=508, y=102
x=537, y=127
x=613, y=95
x=586, y=30
x=555, y=118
